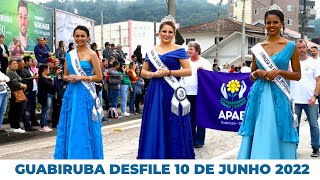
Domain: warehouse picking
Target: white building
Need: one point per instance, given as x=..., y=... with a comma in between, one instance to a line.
x=230, y=40
x=129, y=34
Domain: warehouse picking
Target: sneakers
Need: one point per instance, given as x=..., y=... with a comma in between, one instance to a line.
x=45, y=129
x=19, y=130
x=125, y=114
x=315, y=152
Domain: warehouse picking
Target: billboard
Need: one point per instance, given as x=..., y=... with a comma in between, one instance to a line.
x=65, y=24
x=27, y=21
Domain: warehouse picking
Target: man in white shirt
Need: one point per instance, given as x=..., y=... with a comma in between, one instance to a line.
x=245, y=68
x=191, y=86
x=305, y=93
x=315, y=53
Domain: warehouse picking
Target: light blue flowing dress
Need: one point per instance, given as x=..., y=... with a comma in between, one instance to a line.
x=78, y=136
x=267, y=126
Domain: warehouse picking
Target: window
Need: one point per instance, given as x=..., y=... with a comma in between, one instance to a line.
x=190, y=39
x=216, y=39
x=256, y=11
x=289, y=21
x=235, y=4
x=289, y=8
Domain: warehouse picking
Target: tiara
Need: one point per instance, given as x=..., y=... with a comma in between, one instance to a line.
x=168, y=18
x=274, y=7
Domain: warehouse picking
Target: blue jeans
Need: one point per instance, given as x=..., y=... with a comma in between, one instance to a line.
x=132, y=100
x=198, y=133
x=312, y=115
x=124, y=97
x=44, y=110
x=3, y=106
x=49, y=106
x=113, y=96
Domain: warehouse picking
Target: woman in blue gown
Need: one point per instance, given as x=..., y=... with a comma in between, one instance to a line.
x=267, y=127
x=163, y=134
x=79, y=131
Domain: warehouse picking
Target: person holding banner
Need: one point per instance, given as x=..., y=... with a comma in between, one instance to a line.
x=166, y=129
x=191, y=85
x=268, y=125
x=79, y=129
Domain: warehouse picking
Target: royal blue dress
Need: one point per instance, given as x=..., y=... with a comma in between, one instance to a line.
x=78, y=135
x=163, y=134
x=267, y=126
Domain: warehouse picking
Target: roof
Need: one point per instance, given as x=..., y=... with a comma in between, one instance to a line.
x=225, y=25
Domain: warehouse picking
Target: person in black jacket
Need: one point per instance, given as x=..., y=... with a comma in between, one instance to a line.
x=26, y=79
x=4, y=54
x=15, y=111
x=45, y=86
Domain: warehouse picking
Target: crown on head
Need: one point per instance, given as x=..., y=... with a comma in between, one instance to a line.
x=274, y=7
x=168, y=18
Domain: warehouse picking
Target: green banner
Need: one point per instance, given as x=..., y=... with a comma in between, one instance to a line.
x=27, y=21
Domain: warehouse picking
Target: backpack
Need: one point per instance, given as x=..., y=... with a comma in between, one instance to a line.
x=112, y=113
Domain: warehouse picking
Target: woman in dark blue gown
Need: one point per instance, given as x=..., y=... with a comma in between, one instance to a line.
x=79, y=131
x=164, y=135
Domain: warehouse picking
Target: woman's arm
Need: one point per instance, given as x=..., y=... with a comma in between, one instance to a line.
x=296, y=72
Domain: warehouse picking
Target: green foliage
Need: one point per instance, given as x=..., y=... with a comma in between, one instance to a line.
x=188, y=12
x=233, y=104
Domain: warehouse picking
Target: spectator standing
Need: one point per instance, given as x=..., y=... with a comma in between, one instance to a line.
x=15, y=84
x=106, y=53
x=16, y=49
x=41, y=51
x=4, y=90
x=71, y=47
x=4, y=54
x=138, y=53
x=138, y=87
x=133, y=79
x=61, y=52
x=114, y=84
x=45, y=87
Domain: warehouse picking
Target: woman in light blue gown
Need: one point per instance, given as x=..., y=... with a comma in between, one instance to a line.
x=267, y=127
x=79, y=131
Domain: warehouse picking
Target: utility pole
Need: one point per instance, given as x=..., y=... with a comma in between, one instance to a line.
x=243, y=33
x=171, y=8
x=304, y=19
x=218, y=39
x=102, y=45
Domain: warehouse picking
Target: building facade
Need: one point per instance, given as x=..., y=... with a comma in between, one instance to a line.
x=255, y=10
x=129, y=34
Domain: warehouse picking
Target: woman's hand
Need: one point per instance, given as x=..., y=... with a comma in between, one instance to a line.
x=272, y=74
x=161, y=72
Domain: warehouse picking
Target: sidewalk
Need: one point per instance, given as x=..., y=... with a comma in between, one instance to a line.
x=14, y=137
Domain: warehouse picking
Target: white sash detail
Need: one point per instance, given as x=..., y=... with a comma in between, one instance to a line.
x=180, y=94
x=97, y=108
x=268, y=64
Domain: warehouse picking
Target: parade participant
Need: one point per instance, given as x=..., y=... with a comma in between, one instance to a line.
x=166, y=129
x=267, y=127
x=305, y=93
x=79, y=129
x=191, y=85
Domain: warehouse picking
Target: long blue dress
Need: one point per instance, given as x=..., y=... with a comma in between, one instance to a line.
x=164, y=135
x=267, y=126
x=78, y=136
